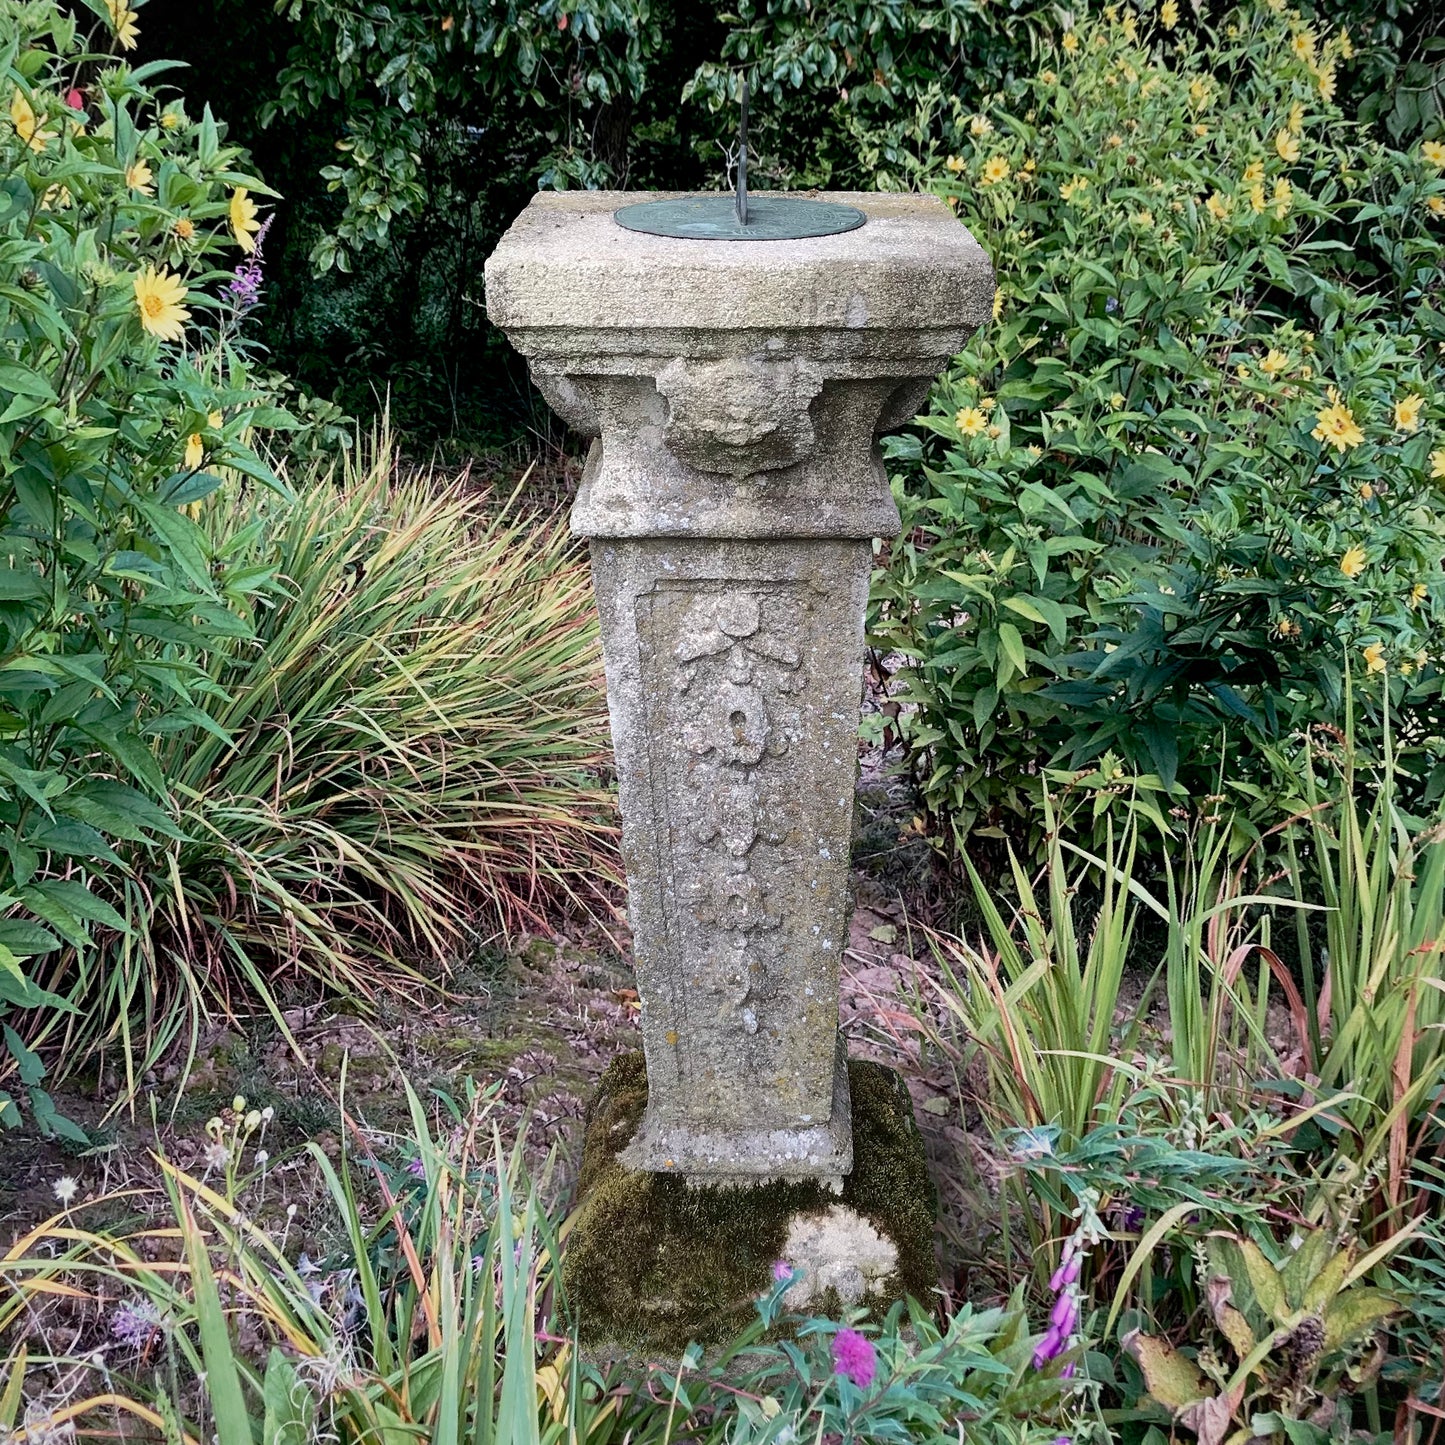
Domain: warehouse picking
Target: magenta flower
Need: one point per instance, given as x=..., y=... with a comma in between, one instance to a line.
x=782, y=1270
x=853, y=1356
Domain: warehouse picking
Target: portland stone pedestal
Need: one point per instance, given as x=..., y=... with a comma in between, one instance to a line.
x=734, y=391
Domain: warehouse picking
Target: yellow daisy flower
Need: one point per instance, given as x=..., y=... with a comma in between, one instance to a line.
x=954, y=164
x=1169, y=14
x=1253, y=172
x=1418, y=593
x=995, y=169
x=1326, y=77
x=195, y=451
x=1303, y=46
x=1116, y=402
x=1347, y=46
x=122, y=21
x=1296, y=118
x=1375, y=657
x=1435, y=205
x=1075, y=187
x=1049, y=77
x=183, y=228
x=1353, y=562
x=1337, y=427
x=1274, y=363
x=1437, y=465
x=159, y=296
x=1407, y=412
x=28, y=126
x=980, y=125
x=244, y=224
x=1433, y=153
x=1257, y=202
x=1287, y=147
x=971, y=421
x=1070, y=41
x=1219, y=206
x=138, y=177
x=1283, y=198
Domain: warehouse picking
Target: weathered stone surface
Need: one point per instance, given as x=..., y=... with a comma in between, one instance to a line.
x=734, y=393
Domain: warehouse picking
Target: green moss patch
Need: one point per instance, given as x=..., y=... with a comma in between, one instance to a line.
x=654, y=1263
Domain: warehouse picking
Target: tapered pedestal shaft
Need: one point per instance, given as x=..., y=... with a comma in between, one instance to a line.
x=734, y=392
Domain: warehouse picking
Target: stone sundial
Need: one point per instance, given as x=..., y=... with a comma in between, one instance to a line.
x=734, y=359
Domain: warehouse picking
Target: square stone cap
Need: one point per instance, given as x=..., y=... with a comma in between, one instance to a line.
x=565, y=262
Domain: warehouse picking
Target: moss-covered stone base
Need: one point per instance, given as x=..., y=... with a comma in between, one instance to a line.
x=652, y=1262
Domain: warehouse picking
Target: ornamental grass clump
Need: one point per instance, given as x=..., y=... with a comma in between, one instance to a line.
x=403, y=756
x=426, y=1305
x=1193, y=468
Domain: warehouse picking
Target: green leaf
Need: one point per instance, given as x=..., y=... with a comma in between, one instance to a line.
x=27, y=1063
x=289, y=1405
x=1265, y=1281
x=1356, y=1313
x=223, y=1378
x=22, y=381
x=51, y=1122
x=1012, y=644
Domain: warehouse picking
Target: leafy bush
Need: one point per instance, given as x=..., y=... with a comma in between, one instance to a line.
x=404, y=755
x=399, y=77
x=846, y=93
x=126, y=391
x=1296, y=1338
x=1191, y=474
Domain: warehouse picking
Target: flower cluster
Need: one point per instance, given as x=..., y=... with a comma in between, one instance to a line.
x=1064, y=1316
x=854, y=1357
x=243, y=290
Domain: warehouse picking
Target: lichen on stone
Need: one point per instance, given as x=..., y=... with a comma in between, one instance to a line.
x=653, y=1262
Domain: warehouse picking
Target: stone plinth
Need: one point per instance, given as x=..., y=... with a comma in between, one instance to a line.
x=734, y=391
x=652, y=1263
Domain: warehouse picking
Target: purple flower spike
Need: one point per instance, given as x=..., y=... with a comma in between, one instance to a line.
x=1067, y=1273
x=1050, y=1347
x=243, y=290
x=1065, y=1314
x=854, y=1357
x=1066, y=1372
